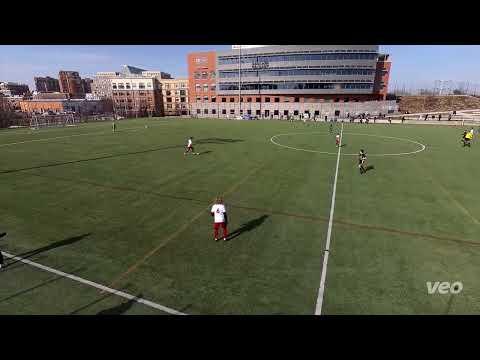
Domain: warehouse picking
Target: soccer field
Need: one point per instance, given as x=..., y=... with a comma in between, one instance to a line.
x=91, y=212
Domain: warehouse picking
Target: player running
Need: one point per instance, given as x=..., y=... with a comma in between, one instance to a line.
x=219, y=213
x=189, y=147
x=362, y=160
x=337, y=139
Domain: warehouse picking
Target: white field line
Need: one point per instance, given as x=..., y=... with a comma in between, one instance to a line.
x=321, y=290
x=95, y=285
x=273, y=138
x=75, y=135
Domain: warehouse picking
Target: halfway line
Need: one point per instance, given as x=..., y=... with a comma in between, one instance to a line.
x=321, y=290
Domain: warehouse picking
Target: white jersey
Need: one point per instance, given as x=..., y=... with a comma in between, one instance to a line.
x=189, y=143
x=219, y=213
x=337, y=137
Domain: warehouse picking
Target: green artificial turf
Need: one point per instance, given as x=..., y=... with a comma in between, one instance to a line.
x=129, y=210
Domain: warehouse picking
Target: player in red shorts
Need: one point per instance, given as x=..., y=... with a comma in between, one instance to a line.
x=337, y=140
x=189, y=147
x=219, y=213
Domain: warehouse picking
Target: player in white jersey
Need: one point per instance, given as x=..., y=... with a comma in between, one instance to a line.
x=337, y=140
x=189, y=147
x=219, y=213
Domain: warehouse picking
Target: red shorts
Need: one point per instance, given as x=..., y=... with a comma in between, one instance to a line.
x=216, y=226
x=337, y=142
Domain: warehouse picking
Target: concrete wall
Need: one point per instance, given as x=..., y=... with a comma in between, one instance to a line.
x=324, y=109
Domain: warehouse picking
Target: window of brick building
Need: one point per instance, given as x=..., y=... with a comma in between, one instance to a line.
x=232, y=112
x=275, y=112
x=258, y=99
x=198, y=111
x=249, y=99
x=169, y=99
x=214, y=99
x=214, y=111
x=224, y=111
x=232, y=99
x=277, y=99
x=295, y=112
x=267, y=99
x=224, y=99
x=205, y=98
x=285, y=112
x=182, y=99
x=141, y=85
x=258, y=113
x=297, y=99
x=205, y=111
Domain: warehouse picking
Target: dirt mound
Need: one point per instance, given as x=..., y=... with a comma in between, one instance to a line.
x=416, y=104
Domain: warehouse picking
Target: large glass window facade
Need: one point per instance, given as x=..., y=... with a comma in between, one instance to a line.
x=225, y=60
x=294, y=72
x=293, y=85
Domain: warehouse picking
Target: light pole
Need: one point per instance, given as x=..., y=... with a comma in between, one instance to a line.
x=239, y=79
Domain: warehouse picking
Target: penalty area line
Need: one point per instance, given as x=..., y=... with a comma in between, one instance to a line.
x=95, y=285
x=323, y=277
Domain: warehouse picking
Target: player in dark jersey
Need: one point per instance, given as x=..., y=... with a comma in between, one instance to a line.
x=362, y=160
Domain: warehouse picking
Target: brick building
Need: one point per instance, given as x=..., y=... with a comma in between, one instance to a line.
x=135, y=96
x=77, y=106
x=202, y=77
x=46, y=84
x=175, y=96
x=282, y=80
x=71, y=83
x=13, y=89
x=87, y=85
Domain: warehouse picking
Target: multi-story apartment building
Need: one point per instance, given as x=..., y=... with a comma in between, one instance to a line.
x=71, y=83
x=102, y=83
x=87, y=85
x=135, y=96
x=77, y=106
x=282, y=80
x=46, y=84
x=202, y=77
x=13, y=89
x=175, y=96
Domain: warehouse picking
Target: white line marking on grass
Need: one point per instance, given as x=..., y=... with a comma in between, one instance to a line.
x=321, y=290
x=75, y=135
x=422, y=146
x=95, y=285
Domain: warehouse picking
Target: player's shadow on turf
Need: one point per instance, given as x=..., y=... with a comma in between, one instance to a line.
x=55, y=245
x=248, y=226
x=111, y=156
x=120, y=309
x=369, y=167
x=218, y=141
x=205, y=152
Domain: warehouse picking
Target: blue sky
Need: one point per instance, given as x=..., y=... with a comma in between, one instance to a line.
x=412, y=66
